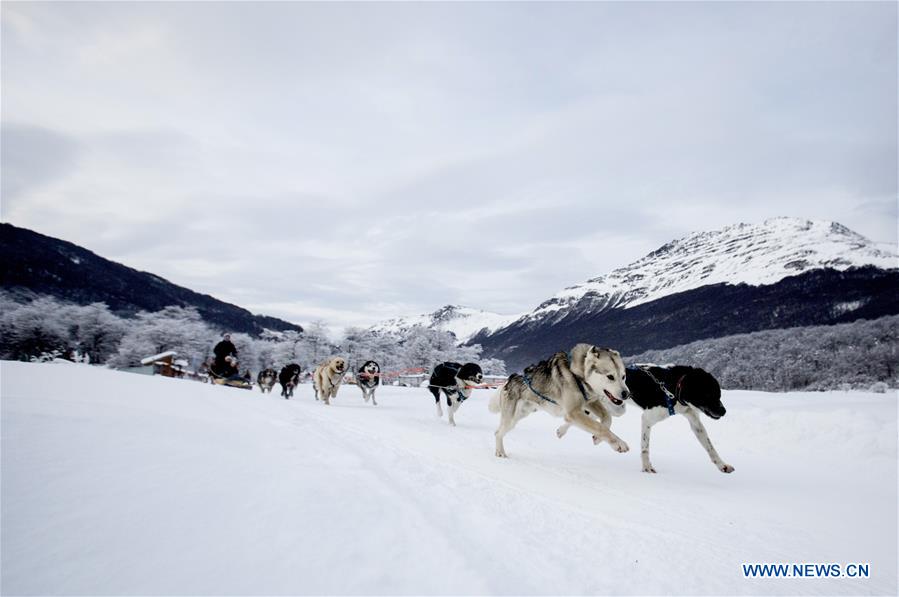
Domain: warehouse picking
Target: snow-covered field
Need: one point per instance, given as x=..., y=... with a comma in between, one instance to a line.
x=114, y=483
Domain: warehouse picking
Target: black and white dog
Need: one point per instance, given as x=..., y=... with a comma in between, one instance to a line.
x=454, y=380
x=289, y=378
x=368, y=378
x=266, y=380
x=664, y=391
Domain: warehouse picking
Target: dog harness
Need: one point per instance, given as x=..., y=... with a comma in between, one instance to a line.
x=580, y=386
x=452, y=390
x=527, y=381
x=458, y=390
x=670, y=399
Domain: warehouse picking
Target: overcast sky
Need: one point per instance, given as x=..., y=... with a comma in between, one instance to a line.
x=353, y=162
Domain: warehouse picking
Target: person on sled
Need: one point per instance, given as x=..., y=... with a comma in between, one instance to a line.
x=225, y=364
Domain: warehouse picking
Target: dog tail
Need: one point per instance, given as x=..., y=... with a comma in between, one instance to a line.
x=496, y=401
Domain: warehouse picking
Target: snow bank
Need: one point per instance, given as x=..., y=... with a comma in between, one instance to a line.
x=124, y=484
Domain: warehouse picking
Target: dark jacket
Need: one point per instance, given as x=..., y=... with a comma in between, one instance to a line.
x=223, y=349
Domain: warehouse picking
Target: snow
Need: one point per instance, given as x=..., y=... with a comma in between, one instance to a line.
x=754, y=254
x=463, y=322
x=114, y=483
x=156, y=357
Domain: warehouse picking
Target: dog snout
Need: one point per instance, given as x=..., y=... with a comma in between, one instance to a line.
x=625, y=394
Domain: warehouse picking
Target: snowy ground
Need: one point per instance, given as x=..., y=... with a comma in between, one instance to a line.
x=114, y=483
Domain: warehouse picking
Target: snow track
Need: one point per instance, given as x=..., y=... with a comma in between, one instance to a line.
x=122, y=484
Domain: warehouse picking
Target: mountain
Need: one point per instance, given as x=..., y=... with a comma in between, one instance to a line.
x=463, y=322
x=38, y=264
x=782, y=273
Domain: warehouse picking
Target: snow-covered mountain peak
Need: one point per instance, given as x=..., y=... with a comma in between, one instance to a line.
x=462, y=321
x=754, y=254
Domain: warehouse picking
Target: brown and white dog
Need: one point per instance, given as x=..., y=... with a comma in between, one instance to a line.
x=327, y=379
x=567, y=385
x=266, y=380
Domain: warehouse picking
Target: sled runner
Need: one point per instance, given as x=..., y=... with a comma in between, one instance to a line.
x=235, y=381
x=232, y=378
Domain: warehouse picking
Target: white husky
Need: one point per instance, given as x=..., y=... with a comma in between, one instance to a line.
x=587, y=378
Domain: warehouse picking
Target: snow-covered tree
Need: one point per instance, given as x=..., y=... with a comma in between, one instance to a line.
x=247, y=352
x=32, y=329
x=173, y=328
x=849, y=355
x=95, y=331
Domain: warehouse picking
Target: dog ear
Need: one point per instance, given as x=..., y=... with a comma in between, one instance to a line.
x=577, y=358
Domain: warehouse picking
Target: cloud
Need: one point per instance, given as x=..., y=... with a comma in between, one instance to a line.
x=355, y=162
x=33, y=157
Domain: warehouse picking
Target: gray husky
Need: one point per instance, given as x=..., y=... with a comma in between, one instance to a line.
x=587, y=378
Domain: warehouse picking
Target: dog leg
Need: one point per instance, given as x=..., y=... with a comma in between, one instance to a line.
x=599, y=431
x=650, y=417
x=451, y=410
x=511, y=413
x=373, y=401
x=703, y=437
x=506, y=423
x=436, y=392
x=600, y=412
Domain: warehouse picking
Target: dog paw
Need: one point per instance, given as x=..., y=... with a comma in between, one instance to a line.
x=561, y=431
x=620, y=447
x=452, y=423
x=501, y=454
x=648, y=469
x=726, y=468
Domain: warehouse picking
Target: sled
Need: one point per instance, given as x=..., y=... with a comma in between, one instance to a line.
x=234, y=381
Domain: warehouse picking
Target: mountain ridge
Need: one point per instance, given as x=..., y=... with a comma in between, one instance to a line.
x=464, y=322
x=785, y=272
x=38, y=264
x=731, y=255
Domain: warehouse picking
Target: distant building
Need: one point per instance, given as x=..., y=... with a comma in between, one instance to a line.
x=164, y=364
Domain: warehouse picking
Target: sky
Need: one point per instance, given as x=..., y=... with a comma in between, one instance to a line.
x=350, y=162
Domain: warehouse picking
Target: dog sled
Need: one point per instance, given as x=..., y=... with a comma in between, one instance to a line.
x=235, y=381
x=229, y=378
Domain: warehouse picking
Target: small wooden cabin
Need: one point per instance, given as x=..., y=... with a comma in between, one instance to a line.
x=163, y=364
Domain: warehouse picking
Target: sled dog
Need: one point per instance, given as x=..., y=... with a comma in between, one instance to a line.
x=327, y=378
x=454, y=380
x=266, y=380
x=567, y=385
x=688, y=391
x=367, y=378
x=289, y=378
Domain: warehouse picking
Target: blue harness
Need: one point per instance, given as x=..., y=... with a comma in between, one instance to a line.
x=448, y=389
x=580, y=386
x=527, y=381
x=670, y=400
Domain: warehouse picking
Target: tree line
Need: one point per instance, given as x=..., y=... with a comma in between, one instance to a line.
x=858, y=355
x=45, y=327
